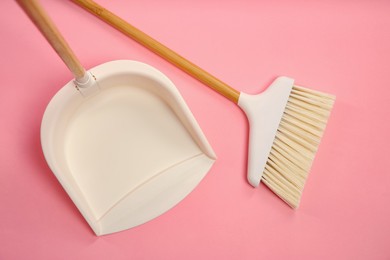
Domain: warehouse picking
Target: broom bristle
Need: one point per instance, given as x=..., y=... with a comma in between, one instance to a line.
x=296, y=142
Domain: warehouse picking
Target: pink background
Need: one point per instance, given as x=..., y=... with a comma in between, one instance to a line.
x=339, y=47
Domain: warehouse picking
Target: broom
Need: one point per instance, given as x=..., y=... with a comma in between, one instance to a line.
x=286, y=121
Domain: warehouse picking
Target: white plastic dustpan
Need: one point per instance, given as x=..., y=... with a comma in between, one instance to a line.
x=121, y=140
x=127, y=153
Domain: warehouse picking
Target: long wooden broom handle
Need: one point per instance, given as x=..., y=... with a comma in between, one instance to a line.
x=160, y=49
x=39, y=17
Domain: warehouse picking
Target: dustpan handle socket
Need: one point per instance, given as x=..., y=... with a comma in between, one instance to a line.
x=43, y=22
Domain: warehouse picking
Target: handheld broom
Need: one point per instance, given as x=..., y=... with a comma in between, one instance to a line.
x=286, y=121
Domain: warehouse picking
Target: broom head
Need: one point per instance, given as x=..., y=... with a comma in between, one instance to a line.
x=286, y=126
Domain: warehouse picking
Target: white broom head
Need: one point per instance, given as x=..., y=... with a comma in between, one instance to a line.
x=286, y=125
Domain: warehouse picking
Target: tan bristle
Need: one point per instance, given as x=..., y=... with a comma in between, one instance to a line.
x=296, y=143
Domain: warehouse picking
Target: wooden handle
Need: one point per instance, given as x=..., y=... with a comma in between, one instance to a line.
x=39, y=17
x=160, y=49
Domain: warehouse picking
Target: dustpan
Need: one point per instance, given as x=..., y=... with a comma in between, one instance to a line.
x=123, y=143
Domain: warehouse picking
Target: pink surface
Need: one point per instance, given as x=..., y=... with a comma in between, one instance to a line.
x=339, y=47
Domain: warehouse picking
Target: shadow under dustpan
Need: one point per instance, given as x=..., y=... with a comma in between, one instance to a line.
x=128, y=152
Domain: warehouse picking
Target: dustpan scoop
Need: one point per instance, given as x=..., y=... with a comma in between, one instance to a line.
x=126, y=148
